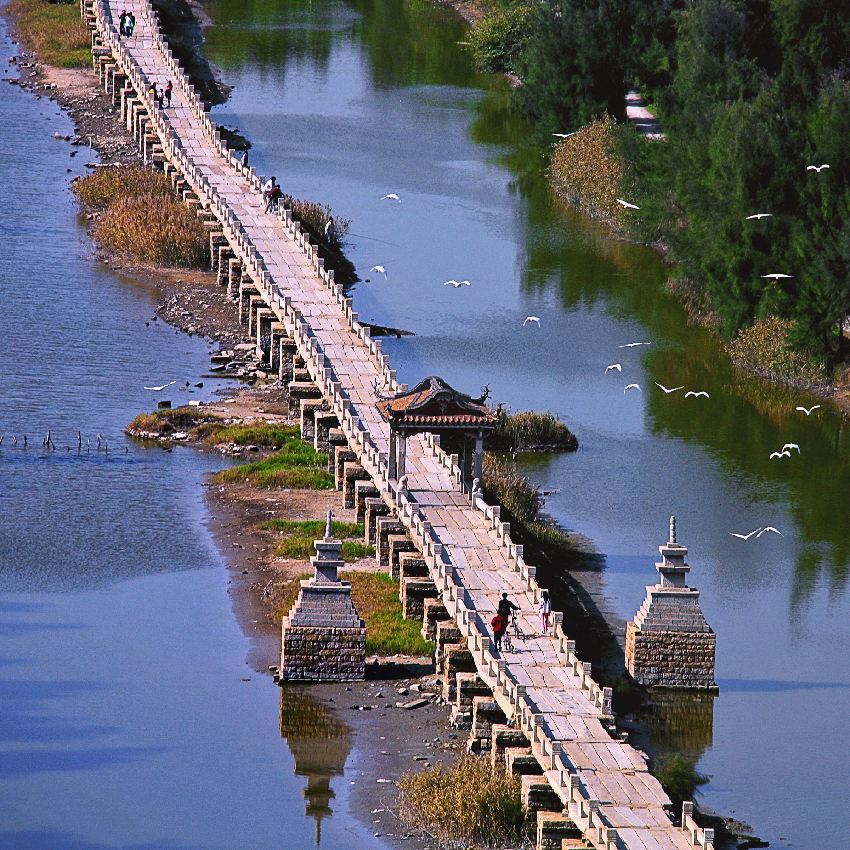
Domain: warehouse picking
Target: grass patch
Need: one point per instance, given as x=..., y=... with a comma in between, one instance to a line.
x=530, y=431
x=470, y=804
x=166, y=422
x=586, y=172
x=300, y=534
x=296, y=466
x=375, y=596
x=53, y=31
x=679, y=776
x=268, y=436
x=141, y=217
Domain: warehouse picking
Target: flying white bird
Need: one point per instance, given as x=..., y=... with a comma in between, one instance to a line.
x=758, y=215
x=633, y=344
x=391, y=197
x=691, y=393
x=777, y=275
x=662, y=387
x=158, y=389
x=789, y=446
x=745, y=536
x=535, y=319
x=769, y=528
x=614, y=366
x=379, y=270
x=783, y=453
x=817, y=168
x=456, y=283
x=627, y=205
x=630, y=387
x=564, y=135
x=808, y=412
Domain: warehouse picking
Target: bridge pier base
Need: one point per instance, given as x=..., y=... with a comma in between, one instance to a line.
x=384, y=527
x=435, y=612
x=336, y=438
x=363, y=490
x=504, y=737
x=412, y=565
x=352, y=473
x=396, y=544
x=539, y=796
x=457, y=659
x=414, y=592
x=375, y=508
x=554, y=829
x=485, y=715
x=309, y=408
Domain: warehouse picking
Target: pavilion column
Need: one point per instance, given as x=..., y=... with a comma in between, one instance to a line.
x=478, y=457
x=392, y=458
x=402, y=455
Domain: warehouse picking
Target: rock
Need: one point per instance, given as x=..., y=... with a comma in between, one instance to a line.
x=409, y=706
x=403, y=692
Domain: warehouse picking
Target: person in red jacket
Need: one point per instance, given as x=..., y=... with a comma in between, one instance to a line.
x=500, y=626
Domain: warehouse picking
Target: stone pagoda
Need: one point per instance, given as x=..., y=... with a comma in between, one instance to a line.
x=322, y=638
x=669, y=643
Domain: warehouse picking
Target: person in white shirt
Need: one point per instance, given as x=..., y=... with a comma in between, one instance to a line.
x=545, y=610
x=271, y=192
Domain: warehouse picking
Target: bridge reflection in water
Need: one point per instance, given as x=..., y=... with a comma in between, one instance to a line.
x=320, y=745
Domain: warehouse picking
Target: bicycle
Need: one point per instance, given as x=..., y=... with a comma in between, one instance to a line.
x=507, y=643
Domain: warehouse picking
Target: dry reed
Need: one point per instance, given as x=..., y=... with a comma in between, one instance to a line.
x=53, y=31
x=472, y=804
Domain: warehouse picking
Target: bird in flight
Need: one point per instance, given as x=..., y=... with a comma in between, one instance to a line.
x=788, y=446
x=633, y=344
x=615, y=367
x=777, y=275
x=692, y=394
x=817, y=168
x=783, y=453
x=758, y=216
x=662, y=387
x=158, y=389
x=564, y=135
x=379, y=270
x=745, y=536
x=769, y=528
x=808, y=411
x=627, y=205
x=456, y=283
x=534, y=319
x=630, y=387
x=391, y=197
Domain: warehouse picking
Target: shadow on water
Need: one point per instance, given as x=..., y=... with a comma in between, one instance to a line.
x=320, y=745
x=39, y=839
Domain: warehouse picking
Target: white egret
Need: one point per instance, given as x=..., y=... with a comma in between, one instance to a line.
x=159, y=389
x=630, y=387
x=379, y=270
x=633, y=344
x=808, y=412
x=758, y=216
x=662, y=387
x=697, y=394
x=613, y=367
x=534, y=319
x=745, y=536
x=817, y=168
x=391, y=197
x=789, y=446
x=777, y=276
x=771, y=529
x=456, y=283
x=783, y=453
x=627, y=205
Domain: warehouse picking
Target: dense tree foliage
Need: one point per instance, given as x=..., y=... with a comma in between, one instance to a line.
x=751, y=92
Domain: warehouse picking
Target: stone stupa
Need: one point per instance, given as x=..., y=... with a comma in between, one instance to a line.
x=669, y=643
x=323, y=638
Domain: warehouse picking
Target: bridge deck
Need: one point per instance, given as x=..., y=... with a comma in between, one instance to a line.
x=604, y=783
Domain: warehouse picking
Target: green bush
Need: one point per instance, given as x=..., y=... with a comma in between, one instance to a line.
x=499, y=38
x=679, y=777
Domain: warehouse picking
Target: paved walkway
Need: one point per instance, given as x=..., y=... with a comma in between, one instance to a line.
x=604, y=783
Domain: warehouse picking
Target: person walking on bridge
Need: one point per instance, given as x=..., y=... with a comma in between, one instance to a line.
x=545, y=611
x=169, y=88
x=122, y=23
x=506, y=607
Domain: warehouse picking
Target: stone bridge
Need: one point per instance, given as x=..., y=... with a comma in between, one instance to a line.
x=539, y=707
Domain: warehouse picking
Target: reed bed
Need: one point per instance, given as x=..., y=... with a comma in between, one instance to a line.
x=141, y=218
x=166, y=422
x=107, y=185
x=53, y=31
x=153, y=229
x=522, y=501
x=586, y=172
x=375, y=595
x=528, y=431
x=471, y=804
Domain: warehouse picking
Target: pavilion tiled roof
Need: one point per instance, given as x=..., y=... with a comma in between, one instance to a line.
x=432, y=402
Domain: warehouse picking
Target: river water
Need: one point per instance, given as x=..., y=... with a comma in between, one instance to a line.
x=348, y=101
x=128, y=715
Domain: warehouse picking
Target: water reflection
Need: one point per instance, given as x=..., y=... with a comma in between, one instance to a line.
x=319, y=744
x=681, y=722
